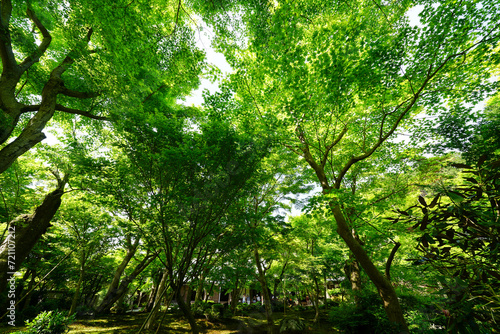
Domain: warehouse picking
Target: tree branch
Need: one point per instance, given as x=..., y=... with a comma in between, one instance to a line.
x=62, y=108
x=390, y=259
x=80, y=95
x=329, y=147
x=35, y=56
x=8, y=59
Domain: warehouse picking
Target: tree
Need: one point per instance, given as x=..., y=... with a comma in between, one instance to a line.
x=89, y=229
x=81, y=57
x=191, y=177
x=334, y=81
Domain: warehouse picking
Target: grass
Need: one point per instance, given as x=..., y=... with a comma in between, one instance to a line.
x=175, y=323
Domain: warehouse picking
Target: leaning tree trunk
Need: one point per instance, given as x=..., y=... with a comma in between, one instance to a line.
x=113, y=287
x=25, y=231
x=116, y=292
x=383, y=285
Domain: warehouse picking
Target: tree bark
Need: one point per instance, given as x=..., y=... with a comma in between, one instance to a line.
x=353, y=274
x=131, y=249
x=25, y=231
x=157, y=304
x=186, y=309
x=199, y=288
x=265, y=291
x=76, y=296
x=383, y=285
x=12, y=71
x=115, y=292
x=235, y=296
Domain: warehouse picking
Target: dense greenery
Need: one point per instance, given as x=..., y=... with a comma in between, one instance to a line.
x=348, y=164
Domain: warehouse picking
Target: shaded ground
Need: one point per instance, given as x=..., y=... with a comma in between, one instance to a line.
x=176, y=324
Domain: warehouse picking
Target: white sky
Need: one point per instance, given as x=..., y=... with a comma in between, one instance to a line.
x=203, y=41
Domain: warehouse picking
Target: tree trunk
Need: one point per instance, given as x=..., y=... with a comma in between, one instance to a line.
x=265, y=291
x=353, y=274
x=116, y=278
x=114, y=294
x=25, y=231
x=186, y=309
x=199, y=288
x=157, y=304
x=383, y=285
x=76, y=296
x=209, y=294
x=315, y=299
x=28, y=294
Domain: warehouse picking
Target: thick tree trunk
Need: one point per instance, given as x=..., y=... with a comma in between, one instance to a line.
x=116, y=292
x=24, y=233
x=383, y=285
x=186, y=309
x=265, y=292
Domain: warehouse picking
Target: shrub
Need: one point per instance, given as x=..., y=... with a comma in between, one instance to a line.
x=367, y=317
x=200, y=308
x=292, y=325
x=51, y=322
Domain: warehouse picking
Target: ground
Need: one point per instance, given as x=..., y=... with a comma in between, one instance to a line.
x=175, y=323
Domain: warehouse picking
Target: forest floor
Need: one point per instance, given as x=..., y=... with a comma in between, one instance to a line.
x=175, y=323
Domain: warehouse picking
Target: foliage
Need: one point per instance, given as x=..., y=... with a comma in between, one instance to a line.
x=49, y=322
x=474, y=134
x=292, y=325
x=461, y=240
x=365, y=316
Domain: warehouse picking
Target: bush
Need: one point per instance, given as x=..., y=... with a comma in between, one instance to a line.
x=329, y=304
x=277, y=306
x=51, y=322
x=367, y=317
x=246, y=309
x=200, y=308
x=292, y=326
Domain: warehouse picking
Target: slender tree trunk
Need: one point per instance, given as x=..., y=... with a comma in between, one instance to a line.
x=209, y=294
x=157, y=304
x=25, y=231
x=353, y=274
x=199, y=288
x=28, y=294
x=235, y=296
x=76, y=296
x=265, y=291
x=383, y=285
x=315, y=298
